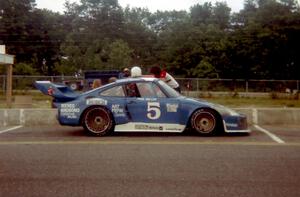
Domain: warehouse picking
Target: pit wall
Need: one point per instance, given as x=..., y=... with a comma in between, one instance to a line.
x=47, y=117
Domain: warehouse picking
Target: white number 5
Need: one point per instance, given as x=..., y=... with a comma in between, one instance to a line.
x=153, y=110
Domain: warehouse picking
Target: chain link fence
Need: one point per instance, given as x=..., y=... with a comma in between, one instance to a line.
x=188, y=85
x=25, y=83
x=238, y=85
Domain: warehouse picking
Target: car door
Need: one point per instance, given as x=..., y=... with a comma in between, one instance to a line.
x=151, y=105
x=117, y=103
x=136, y=105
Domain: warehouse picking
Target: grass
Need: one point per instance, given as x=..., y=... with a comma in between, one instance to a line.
x=38, y=100
x=255, y=102
x=43, y=101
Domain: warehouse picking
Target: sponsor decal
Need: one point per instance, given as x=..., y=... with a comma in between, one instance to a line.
x=96, y=101
x=151, y=127
x=151, y=99
x=141, y=127
x=173, y=129
x=50, y=91
x=148, y=127
x=172, y=107
x=69, y=110
x=147, y=99
x=117, y=110
x=231, y=125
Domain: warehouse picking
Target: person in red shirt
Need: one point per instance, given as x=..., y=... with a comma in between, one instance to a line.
x=166, y=77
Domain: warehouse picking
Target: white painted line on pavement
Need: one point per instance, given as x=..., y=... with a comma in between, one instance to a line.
x=271, y=135
x=10, y=129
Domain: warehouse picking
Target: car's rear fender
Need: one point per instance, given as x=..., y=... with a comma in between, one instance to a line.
x=93, y=106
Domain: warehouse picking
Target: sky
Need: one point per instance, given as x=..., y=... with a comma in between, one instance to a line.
x=152, y=5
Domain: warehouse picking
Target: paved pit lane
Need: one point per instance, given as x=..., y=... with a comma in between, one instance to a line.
x=63, y=161
x=288, y=134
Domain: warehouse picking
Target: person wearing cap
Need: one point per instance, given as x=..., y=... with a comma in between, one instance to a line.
x=166, y=77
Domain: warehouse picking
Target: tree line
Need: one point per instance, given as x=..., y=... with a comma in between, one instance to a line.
x=261, y=41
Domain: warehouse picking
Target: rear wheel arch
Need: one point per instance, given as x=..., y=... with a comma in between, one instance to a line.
x=89, y=107
x=100, y=107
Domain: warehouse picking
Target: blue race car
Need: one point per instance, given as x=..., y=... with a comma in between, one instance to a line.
x=140, y=105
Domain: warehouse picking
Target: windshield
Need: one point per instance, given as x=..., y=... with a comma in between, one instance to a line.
x=170, y=91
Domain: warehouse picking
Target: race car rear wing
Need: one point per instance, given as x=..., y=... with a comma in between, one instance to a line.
x=60, y=93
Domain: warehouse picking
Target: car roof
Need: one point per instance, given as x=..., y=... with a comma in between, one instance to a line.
x=137, y=79
x=124, y=80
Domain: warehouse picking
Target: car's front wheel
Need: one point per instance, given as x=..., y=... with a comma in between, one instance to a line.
x=205, y=122
x=98, y=121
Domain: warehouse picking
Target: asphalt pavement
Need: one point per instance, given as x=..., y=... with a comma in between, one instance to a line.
x=64, y=161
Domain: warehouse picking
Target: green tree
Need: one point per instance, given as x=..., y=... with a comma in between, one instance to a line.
x=204, y=70
x=119, y=55
x=24, y=69
x=14, y=30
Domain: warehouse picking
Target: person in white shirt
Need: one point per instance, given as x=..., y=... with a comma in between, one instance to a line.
x=166, y=77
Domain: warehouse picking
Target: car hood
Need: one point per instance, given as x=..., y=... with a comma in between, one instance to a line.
x=219, y=108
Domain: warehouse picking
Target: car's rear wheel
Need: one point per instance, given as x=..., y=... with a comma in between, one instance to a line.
x=73, y=86
x=98, y=121
x=205, y=122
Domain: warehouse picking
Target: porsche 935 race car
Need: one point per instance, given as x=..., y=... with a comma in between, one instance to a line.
x=140, y=105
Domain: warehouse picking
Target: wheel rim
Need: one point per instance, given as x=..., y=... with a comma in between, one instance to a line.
x=204, y=122
x=73, y=86
x=97, y=120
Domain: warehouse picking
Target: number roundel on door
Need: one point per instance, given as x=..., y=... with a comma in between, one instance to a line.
x=153, y=110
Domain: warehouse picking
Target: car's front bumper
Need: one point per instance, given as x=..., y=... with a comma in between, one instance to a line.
x=236, y=124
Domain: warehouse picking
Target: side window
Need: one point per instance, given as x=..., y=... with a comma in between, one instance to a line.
x=132, y=90
x=146, y=90
x=158, y=91
x=114, y=91
x=150, y=90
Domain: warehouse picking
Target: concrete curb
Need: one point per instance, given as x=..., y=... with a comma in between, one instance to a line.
x=47, y=117
x=28, y=117
x=271, y=116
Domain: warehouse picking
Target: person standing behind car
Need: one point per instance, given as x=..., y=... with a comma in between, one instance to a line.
x=166, y=77
x=136, y=71
x=125, y=73
x=97, y=83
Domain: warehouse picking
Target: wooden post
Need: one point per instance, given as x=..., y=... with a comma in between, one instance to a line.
x=9, y=86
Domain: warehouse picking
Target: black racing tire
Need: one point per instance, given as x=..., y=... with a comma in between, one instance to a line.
x=205, y=122
x=98, y=121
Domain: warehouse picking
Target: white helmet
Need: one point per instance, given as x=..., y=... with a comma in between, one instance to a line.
x=136, y=72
